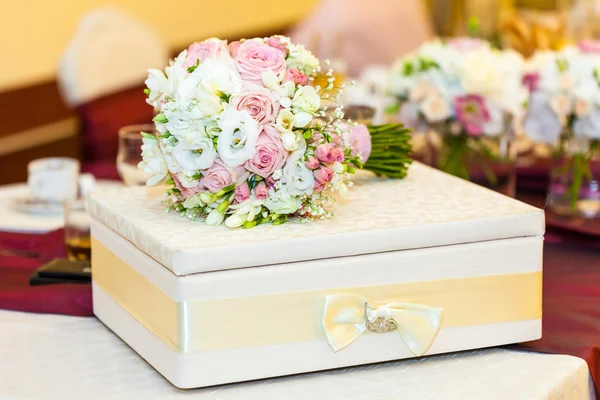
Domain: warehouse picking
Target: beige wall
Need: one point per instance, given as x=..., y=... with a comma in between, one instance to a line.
x=33, y=33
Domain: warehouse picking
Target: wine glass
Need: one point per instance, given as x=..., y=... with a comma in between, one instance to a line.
x=130, y=153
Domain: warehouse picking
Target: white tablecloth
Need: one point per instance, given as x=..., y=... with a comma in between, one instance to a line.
x=13, y=220
x=59, y=357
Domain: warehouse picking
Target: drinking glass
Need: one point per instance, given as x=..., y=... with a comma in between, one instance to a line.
x=77, y=231
x=130, y=154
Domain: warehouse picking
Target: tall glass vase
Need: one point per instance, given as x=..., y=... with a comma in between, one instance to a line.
x=486, y=161
x=574, y=189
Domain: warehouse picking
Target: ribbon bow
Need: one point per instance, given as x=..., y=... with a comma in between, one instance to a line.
x=347, y=316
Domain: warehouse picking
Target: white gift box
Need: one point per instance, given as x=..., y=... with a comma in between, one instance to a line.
x=430, y=264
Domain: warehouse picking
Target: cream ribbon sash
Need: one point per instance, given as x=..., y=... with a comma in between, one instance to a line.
x=347, y=316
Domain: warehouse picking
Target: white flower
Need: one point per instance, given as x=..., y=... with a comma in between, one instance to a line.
x=561, y=104
x=285, y=121
x=305, y=104
x=588, y=127
x=244, y=212
x=153, y=162
x=214, y=218
x=192, y=159
x=435, y=108
x=185, y=127
x=302, y=59
x=158, y=84
x=291, y=140
x=208, y=103
x=277, y=174
x=237, y=140
x=582, y=108
x=481, y=73
x=280, y=202
x=421, y=91
x=215, y=75
x=298, y=178
x=496, y=125
x=194, y=201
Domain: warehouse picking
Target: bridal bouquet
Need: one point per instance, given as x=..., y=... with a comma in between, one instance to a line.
x=564, y=111
x=464, y=90
x=244, y=139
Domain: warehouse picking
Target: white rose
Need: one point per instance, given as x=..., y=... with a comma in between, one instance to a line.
x=305, y=103
x=297, y=177
x=237, y=140
x=153, y=162
x=192, y=159
x=435, y=108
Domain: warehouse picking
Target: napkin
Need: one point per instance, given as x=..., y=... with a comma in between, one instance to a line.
x=20, y=255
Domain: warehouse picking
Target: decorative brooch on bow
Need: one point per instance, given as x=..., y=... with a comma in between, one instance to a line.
x=347, y=316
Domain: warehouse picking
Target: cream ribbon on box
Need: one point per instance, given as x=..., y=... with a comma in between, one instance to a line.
x=347, y=316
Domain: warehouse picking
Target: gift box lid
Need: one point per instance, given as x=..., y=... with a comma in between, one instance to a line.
x=427, y=209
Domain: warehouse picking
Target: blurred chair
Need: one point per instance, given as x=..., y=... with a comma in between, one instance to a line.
x=101, y=74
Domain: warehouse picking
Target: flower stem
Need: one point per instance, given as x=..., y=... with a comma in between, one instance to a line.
x=391, y=149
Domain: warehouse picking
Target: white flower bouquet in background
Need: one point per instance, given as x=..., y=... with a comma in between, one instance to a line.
x=243, y=138
x=564, y=112
x=468, y=93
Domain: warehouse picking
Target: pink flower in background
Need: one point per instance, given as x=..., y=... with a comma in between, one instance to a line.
x=359, y=138
x=234, y=47
x=467, y=43
x=261, y=191
x=217, y=176
x=269, y=154
x=242, y=192
x=312, y=163
x=276, y=43
x=324, y=153
x=323, y=175
x=202, y=50
x=254, y=57
x=472, y=112
x=531, y=81
x=258, y=102
x=295, y=76
x=589, y=46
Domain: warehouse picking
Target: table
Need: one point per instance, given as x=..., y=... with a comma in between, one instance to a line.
x=53, y=356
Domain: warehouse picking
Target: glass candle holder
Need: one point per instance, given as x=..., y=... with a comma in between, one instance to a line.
x=130, y=154
x=77, y=231
x=574, y=189
x=489, y=161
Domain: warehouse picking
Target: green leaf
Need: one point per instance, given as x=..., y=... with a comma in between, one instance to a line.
x=307, y=134
x=160, y=118
x=225, y=97
x=147, y=91
x=193, y=67
x=170, y=182
x=225, y=190
x=197, y=175
x=249, y=224
x=392, y=108
x=148, y=135
x=165, y=135
x=173, y=191
x=282, y=220
x=408, y=68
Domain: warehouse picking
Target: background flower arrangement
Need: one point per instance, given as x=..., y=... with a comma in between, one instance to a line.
x=564, y=112
x=466, y=91
x=243, y=137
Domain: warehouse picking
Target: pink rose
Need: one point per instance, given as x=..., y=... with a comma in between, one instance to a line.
x=186, y=192
x=203, y=50
x=275, y=42
x=295, y=76
x=312, y=163
x=270, y=181
x=234, y=47
x=261, y=191
x=269, y=154
x=328, y=153
x=258, y=102
x=318, y=187
x=323, y=153
x=217, y=176
x=359, y=138
x=323, y=175
x=242, y=192
x=254, y=57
